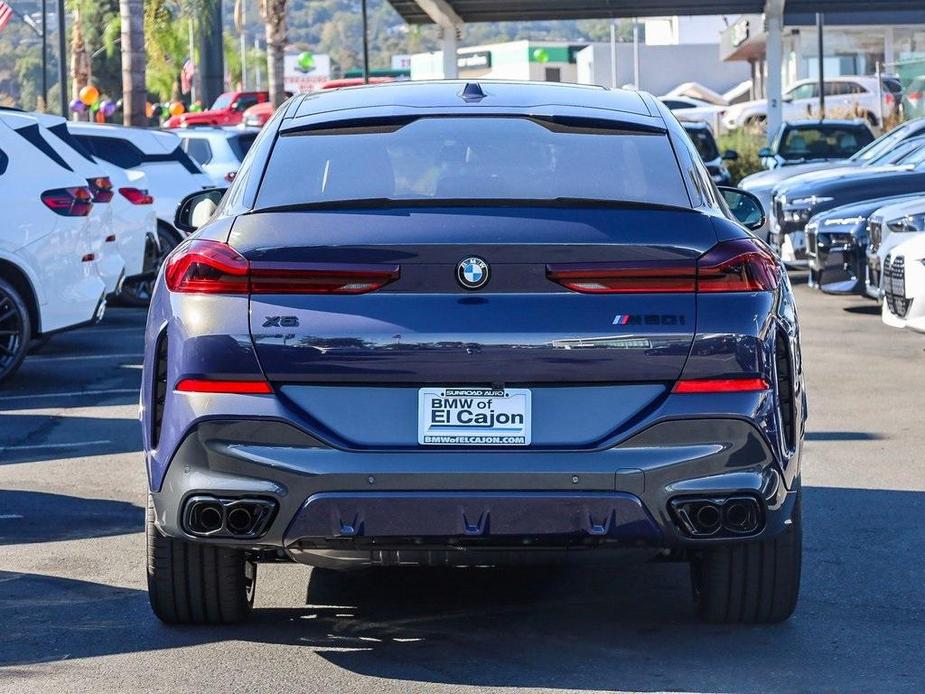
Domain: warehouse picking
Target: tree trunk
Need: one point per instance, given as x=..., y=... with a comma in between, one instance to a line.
x=274, y=14
x=80, y=61
x=134, y=89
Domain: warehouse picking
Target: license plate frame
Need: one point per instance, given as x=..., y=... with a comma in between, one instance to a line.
x=472, y=416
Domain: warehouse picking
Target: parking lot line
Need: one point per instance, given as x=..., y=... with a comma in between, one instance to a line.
x=75, y=357
x=69, y=394
x=75, y=444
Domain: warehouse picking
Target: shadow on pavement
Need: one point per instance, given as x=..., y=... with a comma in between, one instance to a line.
x=842, y=436
x=858, y=625
x=29, y=517
x=871, y=309
x=35, y=438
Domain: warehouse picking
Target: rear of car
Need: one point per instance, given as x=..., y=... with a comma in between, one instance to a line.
x=219, y=151
x=497, y=324
x=48, y=280
x=51, y=140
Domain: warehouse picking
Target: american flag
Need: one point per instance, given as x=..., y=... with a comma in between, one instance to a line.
x=186, y=76
x=6, y=14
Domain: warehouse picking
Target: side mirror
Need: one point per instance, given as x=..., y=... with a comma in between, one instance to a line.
x=234, y=105
x=745, y=207
x=730, y=155
x=195, y=210
x=765, y=153
x=787, y=99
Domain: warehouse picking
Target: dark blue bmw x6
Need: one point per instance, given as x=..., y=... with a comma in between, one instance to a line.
x=472, y=324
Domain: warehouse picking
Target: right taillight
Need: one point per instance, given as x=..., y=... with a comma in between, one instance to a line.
x=136, y=196
x=731, y=266
x=210, y=267
x=737, y=266
x=69, y=202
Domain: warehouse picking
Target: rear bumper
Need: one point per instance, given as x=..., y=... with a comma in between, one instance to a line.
x=350, y=507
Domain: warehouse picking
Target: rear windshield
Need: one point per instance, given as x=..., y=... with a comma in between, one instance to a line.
x=823, y=143
x=472, y=158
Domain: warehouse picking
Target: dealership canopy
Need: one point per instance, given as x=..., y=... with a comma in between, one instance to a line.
x=452, y=15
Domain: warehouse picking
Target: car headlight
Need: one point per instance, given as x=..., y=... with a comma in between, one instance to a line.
x=799, y=211
x=907, y=224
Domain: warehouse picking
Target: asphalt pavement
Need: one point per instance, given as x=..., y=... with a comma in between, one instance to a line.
x=75, y=617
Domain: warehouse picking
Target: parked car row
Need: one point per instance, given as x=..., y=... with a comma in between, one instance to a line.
x=90, y=216
x=857, y=225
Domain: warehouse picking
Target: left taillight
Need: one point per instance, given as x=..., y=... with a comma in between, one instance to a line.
x=101, y=188
x=211, y=267
x=731, y=266
x=69, y=202
x=136, y=196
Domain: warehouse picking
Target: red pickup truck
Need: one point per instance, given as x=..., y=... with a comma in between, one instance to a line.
x=228, y=109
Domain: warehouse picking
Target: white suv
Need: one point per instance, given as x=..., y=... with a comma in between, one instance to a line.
x=50, y=140
x=48, y=276
x=219, y=151
x=845, y=97
x=171, y=176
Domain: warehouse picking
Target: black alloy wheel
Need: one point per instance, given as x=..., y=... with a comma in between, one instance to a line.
x=15, y=329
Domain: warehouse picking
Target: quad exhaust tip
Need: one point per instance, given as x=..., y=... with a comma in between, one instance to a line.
x=718, y=516
x=243, y=518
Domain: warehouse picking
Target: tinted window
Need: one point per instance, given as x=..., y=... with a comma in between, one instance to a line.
x=32, y=135
x=115, y=150
x=61, y=132
x=822, y=143
x=4, y=162
x=676, y=105
x=245, y=102
x=804, y=91
x=884, y=143
x=704, y=142
x=241, y=144
x=198, y=149
x=472, y=158
x=223, y=101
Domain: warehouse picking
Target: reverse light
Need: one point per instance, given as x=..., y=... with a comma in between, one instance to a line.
x=721, y=385
x=201, y=385
x=101, y=188
x=69, y=202
x=731, y=266
x=136, y=196
x=211, y=267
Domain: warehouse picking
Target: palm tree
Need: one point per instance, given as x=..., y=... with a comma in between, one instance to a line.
x=134, y=90
x=274, y=15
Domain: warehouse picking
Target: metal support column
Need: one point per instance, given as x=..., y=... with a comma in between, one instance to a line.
x=450, y=44
x=774, y=17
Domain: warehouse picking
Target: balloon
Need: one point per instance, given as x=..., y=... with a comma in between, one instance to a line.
x=89, y=95
x=176, y=108
x=165, y=110
x=541, y=55
x=77, y=106
x=196, y=107
x=100, y=118
x=95, y=107
x=119, y=105
x=149, y=110
x=306, y=62
x=107, y=108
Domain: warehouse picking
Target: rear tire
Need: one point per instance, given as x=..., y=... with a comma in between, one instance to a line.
x=189, y=583
x=15, y=329
x=751, y=583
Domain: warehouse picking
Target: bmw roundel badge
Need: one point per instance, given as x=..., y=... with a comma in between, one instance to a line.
x=472, y=273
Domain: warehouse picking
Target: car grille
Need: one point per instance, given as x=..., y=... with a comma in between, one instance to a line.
x=894, y=286
x=811, y=240
x=874, y=230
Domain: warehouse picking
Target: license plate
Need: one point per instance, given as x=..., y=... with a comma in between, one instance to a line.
x=474, y=417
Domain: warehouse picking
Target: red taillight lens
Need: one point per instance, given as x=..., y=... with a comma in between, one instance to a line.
x=211, y=267
x=206, y=267
x=201, y=385
x=101, y=188
x=625, y=278
x=136, y=196
x=737, y=266
x=732, y=266
x=69, y=202
x=721, y=385
x=321, y=278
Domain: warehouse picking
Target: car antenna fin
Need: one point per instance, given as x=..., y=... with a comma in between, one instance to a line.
x=472, y=92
